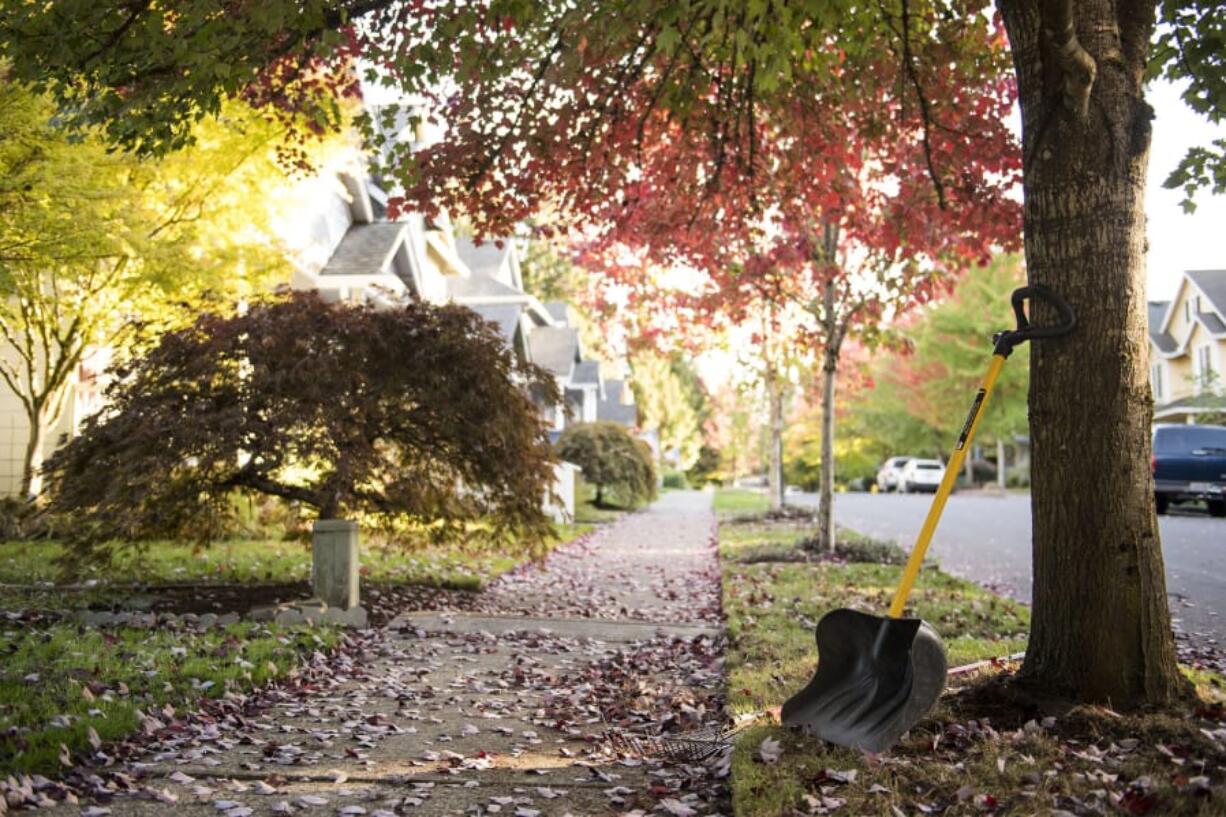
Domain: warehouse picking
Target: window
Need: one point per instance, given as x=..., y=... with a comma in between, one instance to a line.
x=1204, y=366
x=1155, y=376
x=1187, y=311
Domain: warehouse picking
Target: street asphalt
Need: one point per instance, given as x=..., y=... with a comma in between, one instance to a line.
x=986, y=538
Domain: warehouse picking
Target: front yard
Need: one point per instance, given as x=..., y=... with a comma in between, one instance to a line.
x=67, y=689
x=982, y=750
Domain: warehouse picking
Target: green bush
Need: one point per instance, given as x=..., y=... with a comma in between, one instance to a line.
x=675, y=479
x=620, y=466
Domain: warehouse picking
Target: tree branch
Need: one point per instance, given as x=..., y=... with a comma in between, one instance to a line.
x=1077, y=66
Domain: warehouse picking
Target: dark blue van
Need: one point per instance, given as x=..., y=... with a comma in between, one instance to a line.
x=1190, y=464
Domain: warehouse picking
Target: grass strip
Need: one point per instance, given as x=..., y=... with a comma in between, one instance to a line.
x=65, y=686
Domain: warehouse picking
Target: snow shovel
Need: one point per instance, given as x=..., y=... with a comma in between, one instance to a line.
x=876, y=676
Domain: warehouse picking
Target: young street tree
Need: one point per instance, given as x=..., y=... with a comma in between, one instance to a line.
x=420, y=412
x=549, y=103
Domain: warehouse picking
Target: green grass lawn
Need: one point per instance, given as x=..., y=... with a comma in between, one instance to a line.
x=739, y=501
x=772, y=608
x=61, y=685
x=586, y=510
x=266, y=560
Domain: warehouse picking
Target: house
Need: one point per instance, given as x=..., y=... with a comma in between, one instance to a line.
x=1187, y=341
x=618, y=404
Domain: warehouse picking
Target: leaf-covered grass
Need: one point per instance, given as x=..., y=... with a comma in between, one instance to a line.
x=274, y=561
x=59, y=683
x=975, y=753
x=773, y=608
x=737, y=501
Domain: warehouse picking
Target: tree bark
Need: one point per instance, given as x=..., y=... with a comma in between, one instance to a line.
x=31, y=483
x=1101, y=628
x=1001, y=482
x=830, y=366
x=825, y=498
x=42, y=415
x=774, y=476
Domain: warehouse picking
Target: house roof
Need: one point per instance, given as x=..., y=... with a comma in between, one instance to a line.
x=559, y=311
x=504, y=316
x=1163, y=340
x=613, y=409
x=481, y=287
x=1212, y=321
x=485, y=259
x=555, y=348
x=1212, y=282
x=365, y=249
x=587, y=372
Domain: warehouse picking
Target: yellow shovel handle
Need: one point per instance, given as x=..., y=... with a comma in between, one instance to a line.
x=946, y=487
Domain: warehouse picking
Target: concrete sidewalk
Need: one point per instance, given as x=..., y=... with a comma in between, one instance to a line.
x=501, y=711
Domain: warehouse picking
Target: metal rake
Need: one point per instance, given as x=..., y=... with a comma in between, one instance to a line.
x=687, y=746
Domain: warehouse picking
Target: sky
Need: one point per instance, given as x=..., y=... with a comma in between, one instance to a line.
x=1179, y=242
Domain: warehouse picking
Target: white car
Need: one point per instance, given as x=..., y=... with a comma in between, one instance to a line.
x=887, y=477
x=921, y=475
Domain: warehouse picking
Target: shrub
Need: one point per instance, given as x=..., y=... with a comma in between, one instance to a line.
x=418, y=412
x=675, y=479
x=615, y=462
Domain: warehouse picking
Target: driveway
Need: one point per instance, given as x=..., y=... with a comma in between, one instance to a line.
x=986, y=538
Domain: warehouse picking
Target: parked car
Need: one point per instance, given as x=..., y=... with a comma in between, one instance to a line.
x=887, y=477
x=921, y=475
x=1189, y=464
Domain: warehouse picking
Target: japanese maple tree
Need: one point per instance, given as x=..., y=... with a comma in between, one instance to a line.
x=419, y=412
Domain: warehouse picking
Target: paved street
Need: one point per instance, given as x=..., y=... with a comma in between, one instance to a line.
x=987, y=538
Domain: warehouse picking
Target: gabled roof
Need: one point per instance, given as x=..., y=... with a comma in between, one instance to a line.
x=587, y=373
x=504, y=316
x=613, y=409
x=1157, y=313
x=559, y=311
x=365, y=249
x=484, y=289
x=1212, y=282
x=555, y=348
x=1212, y=322
x=486, y=259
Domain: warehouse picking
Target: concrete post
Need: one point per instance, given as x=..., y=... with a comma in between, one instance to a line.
x=334, y=570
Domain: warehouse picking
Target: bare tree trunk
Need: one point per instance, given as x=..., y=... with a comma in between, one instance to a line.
x=1101, y=627
x=774, y=476
x=825, y=499
x=968, y=468
x=1001, y=482
x=42, y=415
x=31, y=482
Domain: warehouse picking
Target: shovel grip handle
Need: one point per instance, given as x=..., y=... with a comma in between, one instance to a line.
x=1065, y=323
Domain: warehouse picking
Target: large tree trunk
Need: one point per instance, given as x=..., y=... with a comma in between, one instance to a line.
x=1100, y=628
x=774, y=476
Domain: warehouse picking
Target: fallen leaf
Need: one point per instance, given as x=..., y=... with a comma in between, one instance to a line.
x=769, y=750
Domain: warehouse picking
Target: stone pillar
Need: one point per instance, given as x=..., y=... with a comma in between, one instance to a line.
x=334, y=571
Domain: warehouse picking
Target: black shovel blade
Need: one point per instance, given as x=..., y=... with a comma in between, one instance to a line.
x=875, y=678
